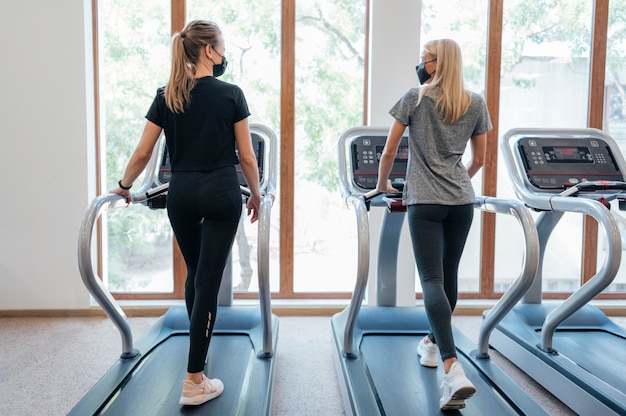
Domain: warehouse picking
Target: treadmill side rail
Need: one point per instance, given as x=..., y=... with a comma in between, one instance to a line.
x=527, y=274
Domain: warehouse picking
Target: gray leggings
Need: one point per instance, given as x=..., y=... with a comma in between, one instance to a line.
x=438, y=233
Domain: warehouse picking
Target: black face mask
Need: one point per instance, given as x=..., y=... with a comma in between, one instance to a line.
x=219, y=69
x=422, y=75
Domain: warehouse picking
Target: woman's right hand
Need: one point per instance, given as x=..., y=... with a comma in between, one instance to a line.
x=385, y=187
x=253, y=207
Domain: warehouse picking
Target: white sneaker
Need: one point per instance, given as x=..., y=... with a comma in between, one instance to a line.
x=456, y=388
x=195, y=394
x=427, y=353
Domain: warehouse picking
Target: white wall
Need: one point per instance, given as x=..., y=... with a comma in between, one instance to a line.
x=46, y=121
x=395, y=50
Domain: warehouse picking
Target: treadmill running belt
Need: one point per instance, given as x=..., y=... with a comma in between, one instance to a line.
x=404, y=387
x=598, y=352
x=155, y=386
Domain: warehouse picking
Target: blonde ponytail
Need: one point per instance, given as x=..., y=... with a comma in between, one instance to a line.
x=181, y=82
x=186, y=47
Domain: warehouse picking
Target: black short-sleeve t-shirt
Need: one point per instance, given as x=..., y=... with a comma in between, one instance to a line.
x=202, y=138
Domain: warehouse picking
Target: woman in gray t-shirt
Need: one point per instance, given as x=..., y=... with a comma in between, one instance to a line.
x=442, y=117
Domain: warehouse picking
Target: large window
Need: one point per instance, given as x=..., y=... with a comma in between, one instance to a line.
x=133, y=60
x=469, y=30
x=253, y=52
x=615, y=114
x=545, y=51
x=538, y=60
x=330, y=49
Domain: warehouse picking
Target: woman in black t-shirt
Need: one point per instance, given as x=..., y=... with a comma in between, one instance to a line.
x=203, y=119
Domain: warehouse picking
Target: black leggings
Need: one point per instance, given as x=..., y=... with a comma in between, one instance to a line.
x=204, y=210
x=438, y=233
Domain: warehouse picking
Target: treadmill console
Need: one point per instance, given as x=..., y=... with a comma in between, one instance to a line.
x=553, y=164
x=258, y=144
x=365, y=153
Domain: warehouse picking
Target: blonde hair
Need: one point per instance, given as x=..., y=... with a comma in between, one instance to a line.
x=186, y=48
x=453, y=99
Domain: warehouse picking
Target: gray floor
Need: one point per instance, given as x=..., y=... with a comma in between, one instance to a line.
x=48, y=364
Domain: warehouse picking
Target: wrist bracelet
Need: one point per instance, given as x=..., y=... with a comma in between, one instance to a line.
x=126, y=188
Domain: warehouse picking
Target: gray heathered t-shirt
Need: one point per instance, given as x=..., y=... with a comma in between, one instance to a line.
x=435, y=173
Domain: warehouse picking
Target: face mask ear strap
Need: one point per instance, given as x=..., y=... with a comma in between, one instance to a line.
x=206, y=51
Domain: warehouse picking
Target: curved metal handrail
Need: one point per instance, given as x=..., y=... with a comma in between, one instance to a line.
x=359, y=202
x=263, y=274
x=600, y=280
x=268, y=188
x=92, y=282
x=102, y=203
x=529, y=267
x=363, y=255
x=547, y=200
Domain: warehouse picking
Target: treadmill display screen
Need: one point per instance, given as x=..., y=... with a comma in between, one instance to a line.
x=567, y=154
x=401, y=156
x=365, y=153
x=554, y=163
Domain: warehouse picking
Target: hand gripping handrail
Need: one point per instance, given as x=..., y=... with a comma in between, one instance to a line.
x=110, y=306
x=529, y=267
x=105, y=202
x=506, y=303
x=263, y=247
x=94, y=283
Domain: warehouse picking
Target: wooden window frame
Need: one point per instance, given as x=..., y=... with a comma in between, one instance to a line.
x=287, y=151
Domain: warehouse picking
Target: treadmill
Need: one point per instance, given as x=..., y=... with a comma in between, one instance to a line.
x=147, y=378
x=571, y=348
x=377, y=363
